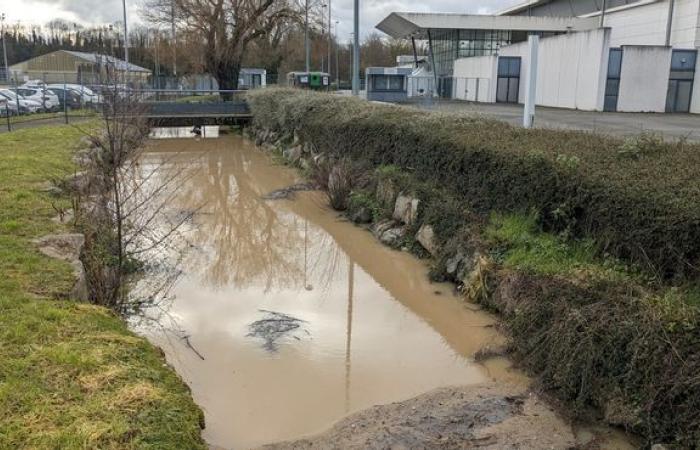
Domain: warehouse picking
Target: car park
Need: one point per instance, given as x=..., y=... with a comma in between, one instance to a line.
x=20, y=105
x=87, y=96
x=48, y=100
x=67, y=97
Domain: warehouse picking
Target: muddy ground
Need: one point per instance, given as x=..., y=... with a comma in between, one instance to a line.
x=485, y=417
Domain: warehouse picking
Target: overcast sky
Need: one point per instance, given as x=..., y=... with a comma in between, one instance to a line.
x=109, y=11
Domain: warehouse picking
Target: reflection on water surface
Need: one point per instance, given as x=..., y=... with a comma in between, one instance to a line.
x=364, y=325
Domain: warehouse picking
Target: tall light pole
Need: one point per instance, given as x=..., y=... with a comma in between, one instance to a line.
x=307, y=49
x=356, y=51
x=173, y=36
x=4, y=47
x=126, y=42
x=323, y=31
x=337, y=58
x=330, y=39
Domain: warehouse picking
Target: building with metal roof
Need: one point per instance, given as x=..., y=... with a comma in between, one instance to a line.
x=66, y=66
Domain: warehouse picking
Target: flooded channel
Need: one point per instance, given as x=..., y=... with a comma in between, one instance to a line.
x=286, y=318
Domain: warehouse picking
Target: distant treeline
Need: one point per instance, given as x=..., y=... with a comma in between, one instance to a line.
x=153, y=49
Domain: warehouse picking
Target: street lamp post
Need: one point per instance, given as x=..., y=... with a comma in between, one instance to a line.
x=126, y=42
x=356, y=51
x=4, y=47
x=330, y=38
x=323, y=32
x=337, y=58
x=307, y=49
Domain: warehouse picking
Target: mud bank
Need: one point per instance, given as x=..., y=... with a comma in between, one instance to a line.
x=487, y=416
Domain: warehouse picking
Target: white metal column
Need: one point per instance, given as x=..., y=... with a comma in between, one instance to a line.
x=531, y=82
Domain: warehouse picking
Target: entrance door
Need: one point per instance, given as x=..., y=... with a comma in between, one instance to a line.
x=508, y=87
x=680, y=82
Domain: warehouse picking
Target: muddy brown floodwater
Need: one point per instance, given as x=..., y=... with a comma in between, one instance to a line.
x=287, y=318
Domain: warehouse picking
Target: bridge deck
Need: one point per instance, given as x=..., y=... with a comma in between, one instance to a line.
x=205, y=113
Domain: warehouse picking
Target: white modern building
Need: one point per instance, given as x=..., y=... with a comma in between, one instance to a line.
x=612, y=55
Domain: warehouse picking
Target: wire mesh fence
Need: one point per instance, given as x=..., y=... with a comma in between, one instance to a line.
x=55, y=98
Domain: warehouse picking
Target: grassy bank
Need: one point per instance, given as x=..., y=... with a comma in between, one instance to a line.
x=586, y=245
x=71, y=375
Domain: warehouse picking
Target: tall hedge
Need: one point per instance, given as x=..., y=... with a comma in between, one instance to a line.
x=639, y=199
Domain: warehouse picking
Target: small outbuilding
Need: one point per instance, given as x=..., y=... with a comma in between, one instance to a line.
x=319, y=81
x=388, y=84
x=251, y=78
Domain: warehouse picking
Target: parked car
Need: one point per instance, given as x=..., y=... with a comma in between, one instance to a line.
x=87, y=96
x=4, y=107
x=20, y=105
x=48, y=100
x=66, y=97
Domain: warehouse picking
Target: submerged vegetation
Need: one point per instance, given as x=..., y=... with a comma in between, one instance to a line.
x=588, y=246
x=71, y=374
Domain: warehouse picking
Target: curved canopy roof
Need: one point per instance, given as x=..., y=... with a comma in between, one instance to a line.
x=403, y=25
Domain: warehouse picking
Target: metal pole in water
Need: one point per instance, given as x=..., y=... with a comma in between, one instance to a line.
x=531, y=82
x=356, y=51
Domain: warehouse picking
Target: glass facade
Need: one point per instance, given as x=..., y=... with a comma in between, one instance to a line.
x=448, y=45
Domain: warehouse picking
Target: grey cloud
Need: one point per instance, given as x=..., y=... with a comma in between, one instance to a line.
x=372, y=11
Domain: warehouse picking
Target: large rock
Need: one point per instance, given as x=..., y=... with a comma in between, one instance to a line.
x=361, y=214
x=406, y=209
x=426, y=238
x=67, y=247
x=389, y=232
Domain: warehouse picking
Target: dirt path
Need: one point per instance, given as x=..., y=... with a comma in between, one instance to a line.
x=485, y=416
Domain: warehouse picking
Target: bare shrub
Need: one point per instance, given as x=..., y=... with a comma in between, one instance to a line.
x=117, y=200
x=344, y=176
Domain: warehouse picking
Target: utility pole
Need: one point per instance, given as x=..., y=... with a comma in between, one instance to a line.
x=337, y=58
x=323, y=32
x=4, y=47
x=173, y=36
x=356, y=51
x=307, y=49
x=126, y=43
x=602, y=14
x=330, y=39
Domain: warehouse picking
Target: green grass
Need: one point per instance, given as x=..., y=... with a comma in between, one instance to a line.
x=519, y=244
x=87, y=112
x=71, y=374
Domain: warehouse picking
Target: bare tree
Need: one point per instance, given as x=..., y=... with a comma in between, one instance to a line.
x=225, y=27
x=119, y=201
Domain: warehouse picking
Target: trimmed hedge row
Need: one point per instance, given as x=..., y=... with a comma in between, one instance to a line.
x=639, y=199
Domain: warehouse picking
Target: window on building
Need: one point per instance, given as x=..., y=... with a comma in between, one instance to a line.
x=508, y=83
x=612, y=84
x=680, y=81
x=387, y=82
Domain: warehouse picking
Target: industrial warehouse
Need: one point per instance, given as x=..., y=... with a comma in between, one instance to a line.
x=593, y=55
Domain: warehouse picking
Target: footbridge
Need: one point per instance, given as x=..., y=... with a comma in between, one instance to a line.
x=183, y=108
